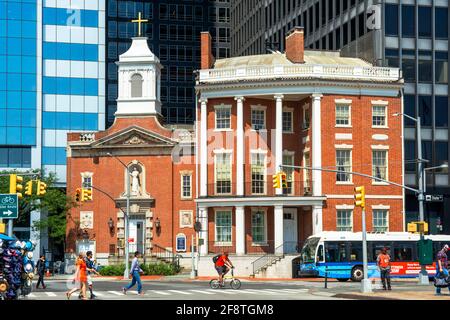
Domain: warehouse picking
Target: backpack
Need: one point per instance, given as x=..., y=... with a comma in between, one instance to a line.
x=215, y=258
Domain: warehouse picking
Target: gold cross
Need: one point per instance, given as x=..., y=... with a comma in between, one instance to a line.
x=139, y=21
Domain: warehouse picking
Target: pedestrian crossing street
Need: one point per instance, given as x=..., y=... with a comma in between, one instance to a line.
x=172, y=293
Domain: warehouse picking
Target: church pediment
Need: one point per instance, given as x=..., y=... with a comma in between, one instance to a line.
x=134, y=137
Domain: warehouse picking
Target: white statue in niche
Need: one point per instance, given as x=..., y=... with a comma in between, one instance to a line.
x=135, y=183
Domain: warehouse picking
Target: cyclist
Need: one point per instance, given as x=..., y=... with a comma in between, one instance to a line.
x=223, y=265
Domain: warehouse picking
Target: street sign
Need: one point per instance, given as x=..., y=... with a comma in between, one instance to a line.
x=9, y=206
x=434, y=198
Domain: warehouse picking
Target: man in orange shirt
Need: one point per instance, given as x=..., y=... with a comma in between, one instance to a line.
x=223, y=265
x=384, y=263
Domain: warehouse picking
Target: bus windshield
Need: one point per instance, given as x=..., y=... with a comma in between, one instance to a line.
x=309, y=250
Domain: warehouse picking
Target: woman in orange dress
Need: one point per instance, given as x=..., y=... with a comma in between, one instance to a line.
x=80, y=277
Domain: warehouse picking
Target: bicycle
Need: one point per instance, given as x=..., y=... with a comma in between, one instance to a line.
x=234, y=282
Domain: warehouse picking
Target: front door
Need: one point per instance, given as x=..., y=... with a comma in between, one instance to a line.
x=136, y=236
x=290, y=235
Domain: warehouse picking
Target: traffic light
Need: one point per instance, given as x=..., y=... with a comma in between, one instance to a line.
x=15, y=185
x=29, y=188
x=87, y=194
x=418, y=227
x=283, y=177
x=41, y=188
x=360, y=197
x=78, y=195
x=276, y=181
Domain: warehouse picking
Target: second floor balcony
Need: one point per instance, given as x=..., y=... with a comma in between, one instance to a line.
x=224, y=189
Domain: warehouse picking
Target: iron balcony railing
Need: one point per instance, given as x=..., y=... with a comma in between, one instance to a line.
x=259, y=189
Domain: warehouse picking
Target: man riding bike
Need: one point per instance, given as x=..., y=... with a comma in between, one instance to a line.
x=223, y=265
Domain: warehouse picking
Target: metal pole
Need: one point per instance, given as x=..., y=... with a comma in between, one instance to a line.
x=10, y=227
x=127, y=255
x=423, y=276
x=366, y=285
x=193, y=258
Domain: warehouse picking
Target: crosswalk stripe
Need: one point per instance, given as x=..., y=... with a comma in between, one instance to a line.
x=117, y=293
x=179, y=291
x=201, y=291
x=32, y=295
x=98, y=294
x=293, y=290
x=276, y=291
x=245, y=291
x=223, y=291
x=255, y=291
x=161, y=292
x=51, y=294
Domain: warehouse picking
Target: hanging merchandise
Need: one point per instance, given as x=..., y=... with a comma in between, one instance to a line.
x=16, y=267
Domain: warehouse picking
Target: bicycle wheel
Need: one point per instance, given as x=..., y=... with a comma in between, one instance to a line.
x=214, y=284
x=235, y=284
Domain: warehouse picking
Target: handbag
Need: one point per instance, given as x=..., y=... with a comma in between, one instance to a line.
x=440, y=281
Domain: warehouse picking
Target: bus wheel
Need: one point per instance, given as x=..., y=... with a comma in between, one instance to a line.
x=357, y=274
x=342, y=280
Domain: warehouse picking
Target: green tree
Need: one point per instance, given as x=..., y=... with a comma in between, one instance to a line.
x=55, y=203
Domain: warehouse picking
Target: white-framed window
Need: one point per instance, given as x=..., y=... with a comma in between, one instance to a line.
x=379, y=164
x=186, y=186
x=379, y=116
x=344, y=220
x=258, y=170
x=223, y=117
x=306, y=117
x=258, y=118
x=259, y=226
x=288, y=160
x=380, y=220
x=343, y=163
x=343, y=115
x=288, y=120
x=223, y=223
x=136, y=85
x=306, y=173
x=223, y=173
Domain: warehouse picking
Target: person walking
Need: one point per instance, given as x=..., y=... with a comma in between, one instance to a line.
x=40, y=270
x=441, y=266
x=80, y=278
x=90, y=270
x=135, y=272
x=384, y=264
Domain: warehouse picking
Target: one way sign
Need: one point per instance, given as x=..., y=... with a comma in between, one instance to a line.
x=9, y=206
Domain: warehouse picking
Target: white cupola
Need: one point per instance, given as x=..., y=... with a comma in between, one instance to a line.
x=139, y=81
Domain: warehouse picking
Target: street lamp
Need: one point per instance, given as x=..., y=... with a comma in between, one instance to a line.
x=423, y=275
x=127, y=181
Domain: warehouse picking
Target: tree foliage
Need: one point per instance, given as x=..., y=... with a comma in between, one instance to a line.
x=55, y=203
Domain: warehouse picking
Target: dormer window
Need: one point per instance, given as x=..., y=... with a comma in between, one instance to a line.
x=136, y=85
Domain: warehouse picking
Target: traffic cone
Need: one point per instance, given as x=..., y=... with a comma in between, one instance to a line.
x=47, y=274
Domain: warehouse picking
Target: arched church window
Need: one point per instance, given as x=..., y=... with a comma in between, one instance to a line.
x=136, y=85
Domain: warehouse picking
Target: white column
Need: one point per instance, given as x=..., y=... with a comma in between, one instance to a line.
x=316, y=145
x=203, y=149
x=240, y=230
x=279, y=228
x=317, y=219
x=203, y=234
x=279, y=136
x=240, y=148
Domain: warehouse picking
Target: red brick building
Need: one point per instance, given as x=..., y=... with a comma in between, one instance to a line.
x=303, y=108
x=160, y=162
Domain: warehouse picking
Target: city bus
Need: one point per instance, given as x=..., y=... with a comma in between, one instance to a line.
x=338, y=255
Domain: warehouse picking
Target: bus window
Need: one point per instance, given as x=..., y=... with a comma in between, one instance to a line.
x=320, y=257
x=356, y=251
x=376, y=249
x=336, y=252
x=403, y=254
x=309, y=250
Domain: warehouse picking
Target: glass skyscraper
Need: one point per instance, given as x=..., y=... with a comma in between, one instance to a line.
x=52, y=79
x=173, y=29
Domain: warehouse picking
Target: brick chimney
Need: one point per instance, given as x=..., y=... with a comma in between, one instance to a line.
x=207, y=58
x=295, y=46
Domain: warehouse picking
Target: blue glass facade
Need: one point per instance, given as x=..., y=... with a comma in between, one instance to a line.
x=18, y=81
x=42, y=99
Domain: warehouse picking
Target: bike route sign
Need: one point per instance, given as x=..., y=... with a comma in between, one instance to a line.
x=9, y=206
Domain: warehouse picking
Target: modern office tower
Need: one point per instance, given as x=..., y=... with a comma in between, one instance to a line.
x=173, y=30
x=412, y=35
x=52, y=75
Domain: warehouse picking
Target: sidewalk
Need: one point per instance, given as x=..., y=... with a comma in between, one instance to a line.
x=395, y=295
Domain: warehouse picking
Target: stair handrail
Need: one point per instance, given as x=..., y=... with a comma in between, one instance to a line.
x=164, y=254
x=267, y=259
